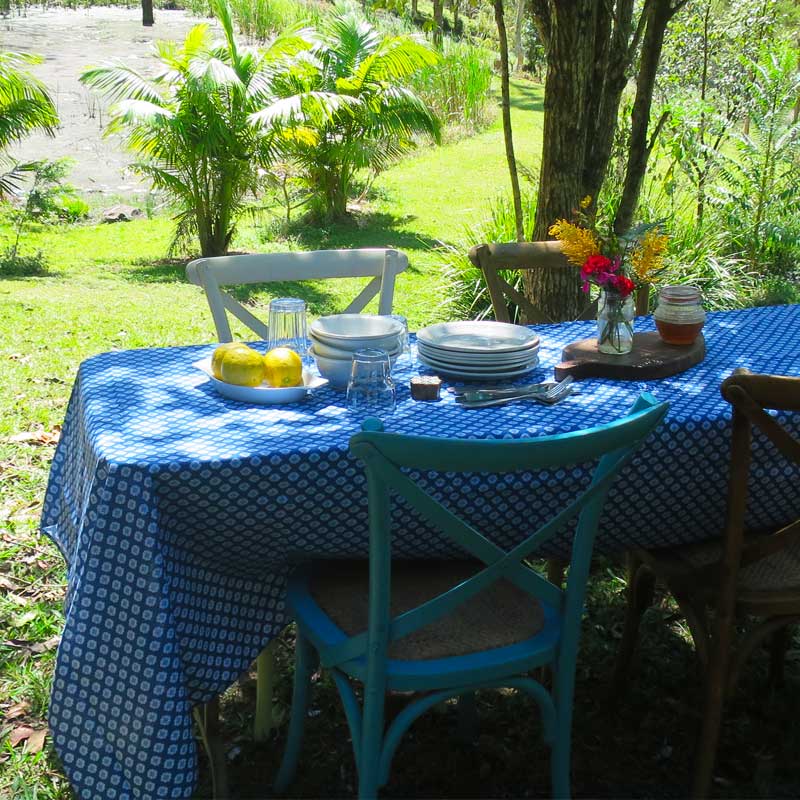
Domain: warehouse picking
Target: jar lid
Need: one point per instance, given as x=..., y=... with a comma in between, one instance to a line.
x=679, y=294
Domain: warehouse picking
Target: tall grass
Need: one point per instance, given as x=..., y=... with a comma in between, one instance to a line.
x=464, y=287
x=458, y=88
x=260, y=19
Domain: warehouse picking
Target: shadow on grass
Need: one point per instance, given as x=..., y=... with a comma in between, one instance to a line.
x=637, y=745
x=361, y=231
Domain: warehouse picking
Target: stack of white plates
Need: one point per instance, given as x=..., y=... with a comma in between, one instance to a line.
x=478, y=350
x=334, y=339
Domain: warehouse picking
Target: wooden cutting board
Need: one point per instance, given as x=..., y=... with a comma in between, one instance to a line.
x=650, y=358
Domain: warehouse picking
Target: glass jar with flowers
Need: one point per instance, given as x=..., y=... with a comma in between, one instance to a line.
x=617, y=264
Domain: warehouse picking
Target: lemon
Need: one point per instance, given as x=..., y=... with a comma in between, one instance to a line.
x=283, y=367
x=216, y=358
x=242, y=366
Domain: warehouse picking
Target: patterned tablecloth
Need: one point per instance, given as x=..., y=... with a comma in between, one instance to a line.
x=179, y=514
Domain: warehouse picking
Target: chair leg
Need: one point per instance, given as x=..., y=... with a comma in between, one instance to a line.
x=716, y=686
x=265, y=683
x=641, y=587
x=305, y=663
x=777, y=656
x=371, y=745
x=207, y=718
x=467, y=718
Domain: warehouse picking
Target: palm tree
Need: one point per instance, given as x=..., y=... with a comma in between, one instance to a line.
x=190, y=123
x=348, y=107
x=25, y=107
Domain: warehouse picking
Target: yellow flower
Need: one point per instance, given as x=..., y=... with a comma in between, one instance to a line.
x=587, y=201
x=648, y=257
x=577, y=243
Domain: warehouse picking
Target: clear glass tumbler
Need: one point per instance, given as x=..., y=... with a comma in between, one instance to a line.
x=405, y=346
x=370, y=390
x=287, y=325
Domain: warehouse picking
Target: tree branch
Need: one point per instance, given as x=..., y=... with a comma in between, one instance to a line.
x=659, y=125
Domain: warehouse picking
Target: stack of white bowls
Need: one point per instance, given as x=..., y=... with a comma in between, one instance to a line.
x=334, y=339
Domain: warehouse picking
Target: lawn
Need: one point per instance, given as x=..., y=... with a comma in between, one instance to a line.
x=112, y=287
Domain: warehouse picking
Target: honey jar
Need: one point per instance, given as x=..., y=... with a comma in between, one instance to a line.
x=679, y=315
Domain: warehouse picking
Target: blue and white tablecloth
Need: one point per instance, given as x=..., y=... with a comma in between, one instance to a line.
x=179, y=514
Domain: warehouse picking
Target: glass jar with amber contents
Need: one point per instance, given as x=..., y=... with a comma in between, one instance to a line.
x=679, y=315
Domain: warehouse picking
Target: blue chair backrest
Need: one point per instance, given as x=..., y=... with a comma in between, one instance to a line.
x=385, y=455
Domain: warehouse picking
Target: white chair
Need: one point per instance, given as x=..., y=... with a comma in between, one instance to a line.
x=382, y=265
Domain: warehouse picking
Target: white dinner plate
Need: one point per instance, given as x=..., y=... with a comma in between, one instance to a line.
x=262, y=395
x=455, y=371
x=479, y=359
x=345, y=348
x=478, y=337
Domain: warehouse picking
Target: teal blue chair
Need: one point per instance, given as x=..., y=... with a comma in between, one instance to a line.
x=449, y=628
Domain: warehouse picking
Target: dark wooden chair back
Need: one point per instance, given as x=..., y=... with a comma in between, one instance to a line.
x=751, y=396
x=493, y=259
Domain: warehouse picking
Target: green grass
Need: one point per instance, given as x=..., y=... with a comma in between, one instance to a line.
x=110, y=286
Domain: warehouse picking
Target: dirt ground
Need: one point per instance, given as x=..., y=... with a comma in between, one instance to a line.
x=70, y=41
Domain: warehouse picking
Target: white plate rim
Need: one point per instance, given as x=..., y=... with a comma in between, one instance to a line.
x=428, y=336
x=477, y=359
x=395, y=328
x=488, y=375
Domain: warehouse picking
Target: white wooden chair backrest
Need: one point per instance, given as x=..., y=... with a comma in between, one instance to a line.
x=213, y=273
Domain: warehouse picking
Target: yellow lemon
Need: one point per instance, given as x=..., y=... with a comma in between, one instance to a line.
x=216, y=358
x=283, y=367
x=242, y=366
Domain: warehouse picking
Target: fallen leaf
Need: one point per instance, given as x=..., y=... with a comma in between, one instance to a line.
x=40, y=437
x=49, y=644
x=28, y=616
x=23, y=359
x=36, y=741
x=17, y=710
x=19, y=735
x=6, y=583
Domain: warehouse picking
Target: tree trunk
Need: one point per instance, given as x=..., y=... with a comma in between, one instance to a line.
x=414, y=4
x=438, y=18
x=456, y=7
x=569, y=40
x=519, y=50
x=147, y=13
x=659, y=13
x=506, y=106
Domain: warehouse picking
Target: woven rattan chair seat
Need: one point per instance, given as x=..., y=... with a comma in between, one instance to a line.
x=499, y=616
x=774, y=573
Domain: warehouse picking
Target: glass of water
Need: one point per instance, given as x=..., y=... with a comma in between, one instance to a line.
x=405, y=347
x=287, y=325
x=370, y=390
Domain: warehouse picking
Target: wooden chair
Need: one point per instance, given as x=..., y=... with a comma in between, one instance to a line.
x=449, y=628
x=494, y=259
x=744, y=573
x=382, y=265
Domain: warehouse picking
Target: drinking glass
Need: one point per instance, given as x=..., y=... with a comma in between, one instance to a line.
x=370, y=390
x=287, y=325
x=405, y=347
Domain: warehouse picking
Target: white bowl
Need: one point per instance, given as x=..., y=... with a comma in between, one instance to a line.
x=327, y=350
x=336, y=370
x=355, y=326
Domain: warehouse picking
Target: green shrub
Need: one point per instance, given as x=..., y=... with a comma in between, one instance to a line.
x=261, y=19
x=15, y=265
x=458, y=88
x=463, y=285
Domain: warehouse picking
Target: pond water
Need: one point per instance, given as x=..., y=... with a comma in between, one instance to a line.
x=70, y=41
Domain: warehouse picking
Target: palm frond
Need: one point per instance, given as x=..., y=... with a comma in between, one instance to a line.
x=119, y=82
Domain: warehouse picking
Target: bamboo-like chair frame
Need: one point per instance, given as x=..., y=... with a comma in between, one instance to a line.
x=492, y=259
x=716, y=585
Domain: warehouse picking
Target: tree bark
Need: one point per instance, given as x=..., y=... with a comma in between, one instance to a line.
x=506, y=107
x=659, y=13
x=519, y=50
x=414, y=9
x=147, y=13
x=569, y=39
x=438, y=18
